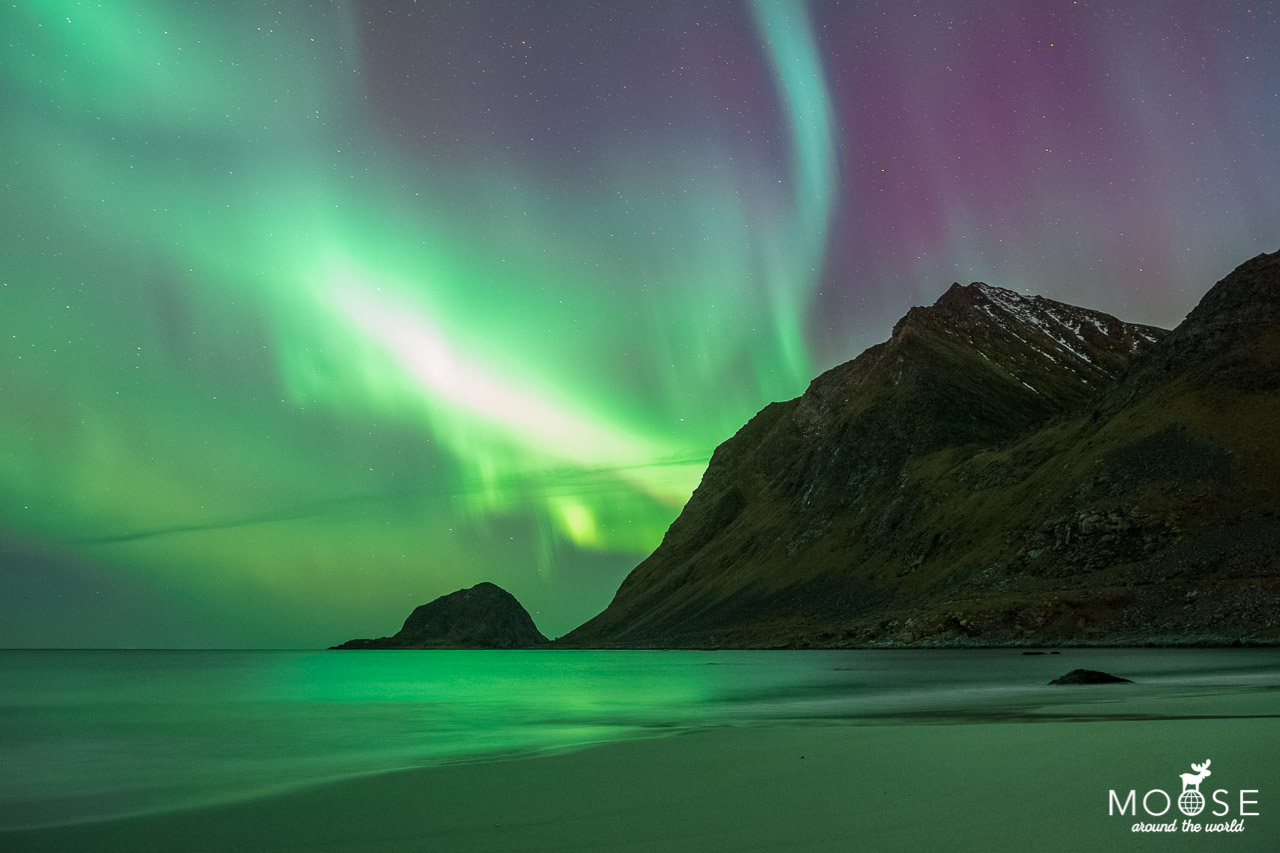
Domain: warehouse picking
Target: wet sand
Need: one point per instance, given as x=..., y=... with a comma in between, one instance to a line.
x=1031, y=781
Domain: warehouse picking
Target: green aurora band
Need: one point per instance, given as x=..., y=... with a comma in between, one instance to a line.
x=260, y=358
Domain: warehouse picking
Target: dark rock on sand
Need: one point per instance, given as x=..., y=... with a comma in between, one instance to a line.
x=1090, y=676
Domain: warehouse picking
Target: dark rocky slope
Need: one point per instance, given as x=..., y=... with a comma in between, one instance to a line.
x=1004, y=469
x=485, y=616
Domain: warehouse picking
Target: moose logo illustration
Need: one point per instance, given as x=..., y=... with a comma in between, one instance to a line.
x=1191, y=801
x=1225, y=809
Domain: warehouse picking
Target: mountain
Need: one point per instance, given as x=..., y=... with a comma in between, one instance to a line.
x=485, y=616
x=1003, y=470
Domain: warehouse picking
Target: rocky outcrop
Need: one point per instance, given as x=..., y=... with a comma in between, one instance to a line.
x=485, y=616
x=1090, y=676
x=1003, y=470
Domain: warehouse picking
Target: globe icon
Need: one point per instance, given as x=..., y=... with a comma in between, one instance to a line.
x=1191, y=803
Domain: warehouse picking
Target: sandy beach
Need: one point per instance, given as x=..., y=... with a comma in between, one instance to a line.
x=1031, y=781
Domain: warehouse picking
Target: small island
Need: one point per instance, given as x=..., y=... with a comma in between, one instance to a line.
x=484, y=616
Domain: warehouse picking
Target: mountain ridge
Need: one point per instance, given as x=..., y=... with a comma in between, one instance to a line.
x=1003, y=469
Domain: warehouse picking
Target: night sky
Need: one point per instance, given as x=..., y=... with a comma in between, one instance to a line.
x=312, y=312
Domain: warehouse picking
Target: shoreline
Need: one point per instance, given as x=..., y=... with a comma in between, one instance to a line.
x=555, y=646
x=923, y=645
x=1038, y=781
x=1233, y=645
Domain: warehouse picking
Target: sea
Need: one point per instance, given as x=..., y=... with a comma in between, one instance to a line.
x=93, y=735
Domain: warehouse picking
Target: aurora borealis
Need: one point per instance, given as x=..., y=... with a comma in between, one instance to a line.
x=312, y=312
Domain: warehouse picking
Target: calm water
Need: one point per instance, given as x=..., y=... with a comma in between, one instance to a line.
x=93, y=734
